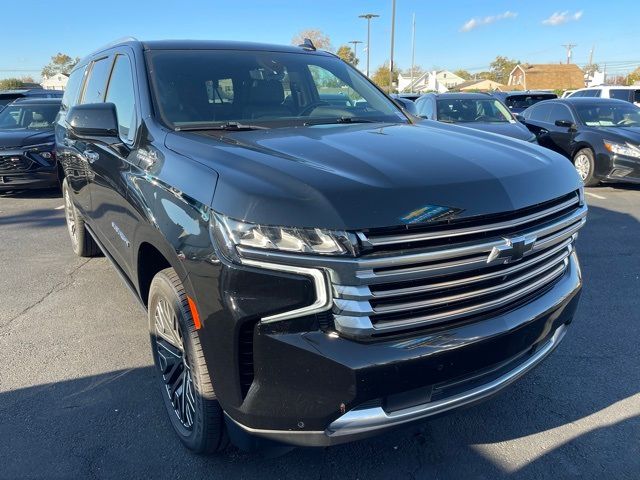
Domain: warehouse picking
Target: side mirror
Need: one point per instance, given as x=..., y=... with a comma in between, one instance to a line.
x=408, y=105
x=94, y=121
x=520, y=118
x=565, y=124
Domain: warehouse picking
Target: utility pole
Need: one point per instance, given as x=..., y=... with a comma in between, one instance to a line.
x=591, y=54
x=569, y=47
x=368, y=17
x=355, y=51
x=413, y=49
x=393, y=28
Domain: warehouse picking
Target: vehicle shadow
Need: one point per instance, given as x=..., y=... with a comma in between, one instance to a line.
x=32, y=193
x=39, y=218
x=577, y=415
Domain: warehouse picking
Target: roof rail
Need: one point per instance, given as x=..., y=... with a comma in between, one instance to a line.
x=114, y=43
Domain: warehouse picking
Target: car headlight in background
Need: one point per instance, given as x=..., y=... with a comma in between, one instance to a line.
x=230, y=233
x=625, y=149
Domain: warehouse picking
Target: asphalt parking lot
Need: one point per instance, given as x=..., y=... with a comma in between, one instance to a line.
x=78, y=398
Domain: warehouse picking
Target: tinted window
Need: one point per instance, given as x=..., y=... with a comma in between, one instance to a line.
x=97, y=82
x=541, y=112
x=620, y=94
x=425, y=107
x=465, y=110
x=120, y=93
x=609, y=114
x=259, y=87
x=73, y=89
x=577, y=94
x=636, y=96
x=525, y=101
x=591, y=93
x=559, y=112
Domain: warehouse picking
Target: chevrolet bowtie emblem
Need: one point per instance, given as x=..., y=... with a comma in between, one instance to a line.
x=513, y=250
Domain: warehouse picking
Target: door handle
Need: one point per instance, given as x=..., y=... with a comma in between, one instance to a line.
x=91, y=156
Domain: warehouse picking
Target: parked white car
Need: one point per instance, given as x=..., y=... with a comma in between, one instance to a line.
x=629, y=94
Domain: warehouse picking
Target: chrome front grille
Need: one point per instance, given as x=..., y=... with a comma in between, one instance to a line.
x=458, y=271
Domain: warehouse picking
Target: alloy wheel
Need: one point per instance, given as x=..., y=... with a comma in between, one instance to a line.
x=583, y=166
x=70, y=214
x=173, y=363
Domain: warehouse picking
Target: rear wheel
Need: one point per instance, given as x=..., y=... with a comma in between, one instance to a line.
x=81, y=241
x=585, y=166
x=194, y=411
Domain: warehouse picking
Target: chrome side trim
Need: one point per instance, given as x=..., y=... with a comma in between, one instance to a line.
x=323, y=299
x=356, y=422
x=416, y=237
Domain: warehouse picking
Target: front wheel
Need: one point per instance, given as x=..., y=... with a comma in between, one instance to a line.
x=584, y=162
x=194, y=411
x=81, y=241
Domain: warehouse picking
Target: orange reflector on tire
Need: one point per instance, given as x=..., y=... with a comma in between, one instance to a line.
x=194, y=313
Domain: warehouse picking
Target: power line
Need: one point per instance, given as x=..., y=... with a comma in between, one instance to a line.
x=569, y=47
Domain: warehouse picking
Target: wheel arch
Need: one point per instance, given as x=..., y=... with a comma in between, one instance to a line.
x=151, y=258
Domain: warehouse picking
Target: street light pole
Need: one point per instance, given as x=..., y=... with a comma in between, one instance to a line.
x=393, y=27
x=355, y=51
x=368, y=17
x=413, y=49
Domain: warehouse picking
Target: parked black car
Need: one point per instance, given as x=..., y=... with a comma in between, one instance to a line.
x=312, y=273
x=474, y=110
x=8, y=96
x=600, y=136
x=519, y=101
x=27, y=155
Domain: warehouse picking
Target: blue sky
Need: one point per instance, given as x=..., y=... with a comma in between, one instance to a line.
x=450, y=34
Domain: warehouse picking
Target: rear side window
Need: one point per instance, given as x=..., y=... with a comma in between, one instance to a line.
x=121, y=94
x=74, y=83
x=591, y=93
x=96, y=83
x=636, y=96
x=620, y=94
x=541, y=112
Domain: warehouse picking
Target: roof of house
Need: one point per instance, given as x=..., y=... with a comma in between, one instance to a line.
x=471, y=83
x=551, y=76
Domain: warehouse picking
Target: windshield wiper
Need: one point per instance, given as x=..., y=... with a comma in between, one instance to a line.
x=340, y=120
x=228, y=126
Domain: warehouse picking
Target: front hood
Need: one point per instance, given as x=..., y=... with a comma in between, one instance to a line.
x=513, y=130
x=623, y=134
x=362, y=176
x=24, y=137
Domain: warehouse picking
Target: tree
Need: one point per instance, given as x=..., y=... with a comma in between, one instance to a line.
x=10, y=83
x=633, y=77
x=381, y=76
x=591, y=68
x=463, y=74
x=501, y=68
x=346, y=54
x=319, y=39
x=60, y=63
x=417, y=71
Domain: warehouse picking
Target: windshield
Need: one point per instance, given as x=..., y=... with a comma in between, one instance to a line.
x=272, y=89
x=525, y=101
x=609, y=114
x=473, y=110
x=30, y=117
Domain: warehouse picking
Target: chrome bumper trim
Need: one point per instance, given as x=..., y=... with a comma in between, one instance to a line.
x=357, y=424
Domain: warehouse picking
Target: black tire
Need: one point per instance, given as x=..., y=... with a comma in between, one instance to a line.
x=584, y=162
x=82, y=242
x=199, y=423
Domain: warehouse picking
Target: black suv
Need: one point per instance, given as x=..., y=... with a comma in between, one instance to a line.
x=8, y=96
x=313, y=273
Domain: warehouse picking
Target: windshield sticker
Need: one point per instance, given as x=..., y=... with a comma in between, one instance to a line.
x=429, y=213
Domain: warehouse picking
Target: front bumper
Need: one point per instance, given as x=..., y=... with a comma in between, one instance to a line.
x=21, y=169
x=316, y=388
x=624, y=169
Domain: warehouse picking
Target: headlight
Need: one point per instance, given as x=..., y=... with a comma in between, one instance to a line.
x=625, y=149
x=230, y=233
x=45, y=150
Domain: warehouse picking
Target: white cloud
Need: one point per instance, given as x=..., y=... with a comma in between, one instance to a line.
x=558, y=18
x=480, y=21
